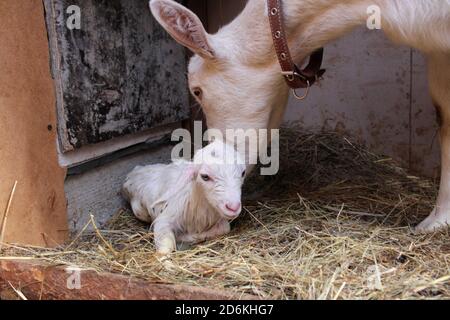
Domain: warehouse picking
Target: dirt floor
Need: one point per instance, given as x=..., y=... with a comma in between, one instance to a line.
x=335, y=223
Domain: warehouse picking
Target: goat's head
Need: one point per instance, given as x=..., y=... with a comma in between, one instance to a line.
x=234, y=91
x=220, y=173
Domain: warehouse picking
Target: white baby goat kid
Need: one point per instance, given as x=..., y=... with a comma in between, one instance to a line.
x=186, y=201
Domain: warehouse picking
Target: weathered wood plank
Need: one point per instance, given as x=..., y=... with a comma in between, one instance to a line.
x=119, y=74
x=38, y=281
x=27, y=136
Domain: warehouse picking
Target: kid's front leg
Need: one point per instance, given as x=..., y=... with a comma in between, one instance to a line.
x=164, y=237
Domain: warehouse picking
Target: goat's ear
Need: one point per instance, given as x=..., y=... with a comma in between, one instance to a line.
x=159, y=206
x=191, y=173
x=183, y=25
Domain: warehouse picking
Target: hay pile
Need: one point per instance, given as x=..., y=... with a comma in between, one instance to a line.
x=335, y=223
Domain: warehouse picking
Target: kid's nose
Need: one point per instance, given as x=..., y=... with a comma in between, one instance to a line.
x=233, y=206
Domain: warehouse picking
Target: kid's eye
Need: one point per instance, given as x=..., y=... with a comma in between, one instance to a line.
x=205, y=177
x=243, y=174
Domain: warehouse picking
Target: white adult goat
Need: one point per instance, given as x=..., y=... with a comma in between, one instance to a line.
x=188, y=202
x=235, y=75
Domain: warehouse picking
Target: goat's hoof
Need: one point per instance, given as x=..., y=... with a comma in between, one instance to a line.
x=434, y=222
x=165, y=246
x=166, y=262
x=164, y=252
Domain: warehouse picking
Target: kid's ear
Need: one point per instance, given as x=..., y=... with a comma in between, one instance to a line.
x=191, y=172
x=158, y=207
x=183, y=25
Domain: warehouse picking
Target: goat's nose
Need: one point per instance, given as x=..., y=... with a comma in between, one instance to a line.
x=233, y=206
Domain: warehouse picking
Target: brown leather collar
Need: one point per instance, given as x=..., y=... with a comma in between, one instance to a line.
x=296, y=78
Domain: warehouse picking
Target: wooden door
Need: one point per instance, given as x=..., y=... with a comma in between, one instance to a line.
x=119, y=73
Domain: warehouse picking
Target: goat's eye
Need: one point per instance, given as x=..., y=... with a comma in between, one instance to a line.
x=197, y=92
x=205, y=177
x=243, y=174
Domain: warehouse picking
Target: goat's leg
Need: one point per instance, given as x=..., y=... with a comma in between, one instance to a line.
x=164, y=237
x=139, y=211
x=221, y=228
x=439, y=78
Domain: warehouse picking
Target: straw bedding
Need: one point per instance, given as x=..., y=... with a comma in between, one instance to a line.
x=335, y=223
